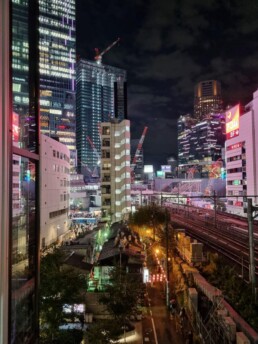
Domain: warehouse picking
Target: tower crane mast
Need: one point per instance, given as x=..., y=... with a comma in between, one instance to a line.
x=98, y=57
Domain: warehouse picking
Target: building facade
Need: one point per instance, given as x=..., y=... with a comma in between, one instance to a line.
x=100, y=96
x=201, y=146
x=54, y=191
x=115, y=169
x=56, y=44
x=207, y=98
x=241, y=156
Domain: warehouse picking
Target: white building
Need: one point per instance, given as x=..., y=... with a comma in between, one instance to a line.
x=241, y=156
x=54, y=191
x=115, y=169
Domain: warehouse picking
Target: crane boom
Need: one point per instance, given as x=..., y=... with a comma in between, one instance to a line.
x=98, y=57
x=139, y=147
x=93, y=148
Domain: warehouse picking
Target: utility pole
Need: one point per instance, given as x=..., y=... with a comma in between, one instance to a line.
x=215, y=208
x=250, y=218
x=167, y=257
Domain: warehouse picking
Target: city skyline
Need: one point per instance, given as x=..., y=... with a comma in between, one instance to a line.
x=167, y=48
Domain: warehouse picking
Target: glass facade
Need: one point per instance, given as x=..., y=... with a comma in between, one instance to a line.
x=100, y=96
x=24, y=235
x=207, y=98
x=57, y=71
x=200, y=146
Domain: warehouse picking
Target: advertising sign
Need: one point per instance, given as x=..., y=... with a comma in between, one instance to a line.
x=166, y=168
x=232, y=122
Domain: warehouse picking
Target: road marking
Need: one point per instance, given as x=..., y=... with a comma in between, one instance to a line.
x=154, y=331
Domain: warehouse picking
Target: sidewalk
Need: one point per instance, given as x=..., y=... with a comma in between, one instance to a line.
x=136, y=338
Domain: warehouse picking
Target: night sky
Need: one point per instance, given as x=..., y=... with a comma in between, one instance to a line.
x=167, y=46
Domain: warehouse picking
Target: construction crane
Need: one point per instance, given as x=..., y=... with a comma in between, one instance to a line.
x=94, y=149
x=137, y=152
x=98, y=57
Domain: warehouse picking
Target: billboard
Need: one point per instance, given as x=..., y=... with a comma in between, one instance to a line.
x=148, y=169
x=166, y=168
x=232, y=122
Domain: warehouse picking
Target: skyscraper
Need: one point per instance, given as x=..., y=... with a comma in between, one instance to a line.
x=207, y=98
x=56, y=66
x=57, y=71
x=100, y=96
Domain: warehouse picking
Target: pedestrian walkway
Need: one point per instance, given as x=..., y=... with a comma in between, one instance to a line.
x=136, y=337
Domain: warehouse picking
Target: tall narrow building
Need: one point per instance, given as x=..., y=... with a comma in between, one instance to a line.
x=115, y=169
x=207, y=98
x=100, y=96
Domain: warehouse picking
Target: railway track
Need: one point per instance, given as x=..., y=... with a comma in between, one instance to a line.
x=232, y=245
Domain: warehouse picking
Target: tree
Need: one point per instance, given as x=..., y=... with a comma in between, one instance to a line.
x=122, y=294
x=151, y=216
x=58, y=286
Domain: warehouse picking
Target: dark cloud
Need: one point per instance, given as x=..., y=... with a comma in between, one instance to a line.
x=167, y=47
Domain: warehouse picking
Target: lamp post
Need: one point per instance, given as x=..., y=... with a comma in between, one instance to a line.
x=167, y=258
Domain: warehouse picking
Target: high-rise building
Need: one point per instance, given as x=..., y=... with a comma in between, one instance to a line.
x=56, y=65
x=241, y=161
x=200, y=146
x=24, y=159
x=115, y=169
x=57, y=71
x=207, y=98
x=100, y=96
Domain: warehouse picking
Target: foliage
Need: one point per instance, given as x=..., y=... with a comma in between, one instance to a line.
x=58, y=286
x=151, y=216
x=103, y=332
x=64, y=337
x=121, y=295
x=235, y=289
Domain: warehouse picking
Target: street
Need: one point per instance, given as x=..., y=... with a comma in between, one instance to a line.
x=158, y=327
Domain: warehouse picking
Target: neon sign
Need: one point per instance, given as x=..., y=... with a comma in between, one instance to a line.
x=232, y=122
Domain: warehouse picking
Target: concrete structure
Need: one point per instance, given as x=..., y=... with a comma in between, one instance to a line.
x=115, y=169
x=54, y=191
x=241, y=156
x=100, y=96
x=83, y=195
x=207, y=98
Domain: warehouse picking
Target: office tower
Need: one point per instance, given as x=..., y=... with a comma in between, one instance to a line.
x=200, y=146
x=24, y=181
x=115, y=169
x=57, y=71
x=207, y=98
x=56, y=65
x=100, y=96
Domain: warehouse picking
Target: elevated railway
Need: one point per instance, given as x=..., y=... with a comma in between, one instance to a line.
x=228, y=236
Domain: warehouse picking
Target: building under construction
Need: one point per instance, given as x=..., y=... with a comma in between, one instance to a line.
x=101, y=95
